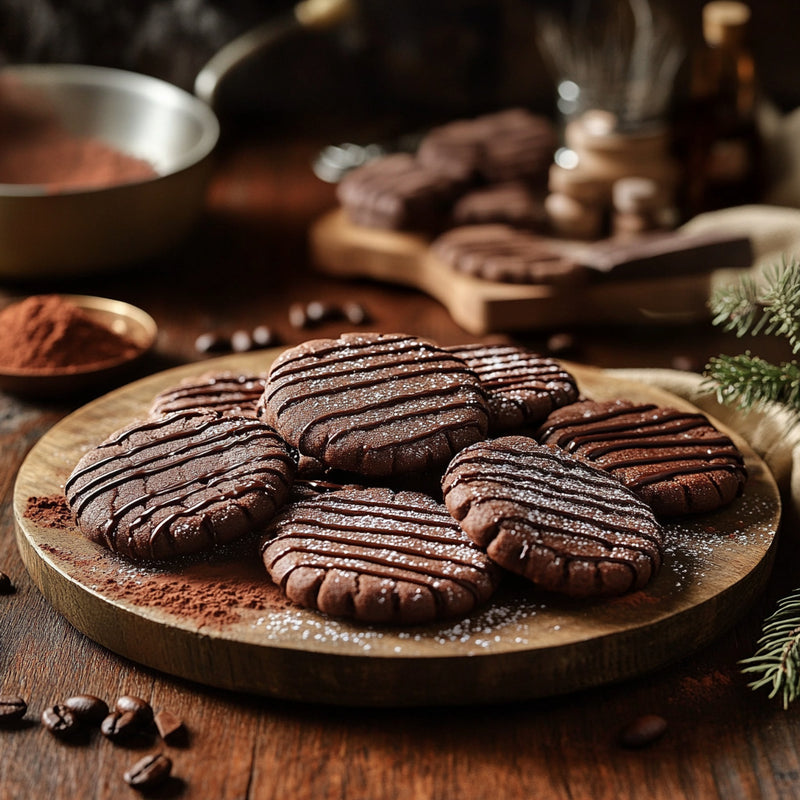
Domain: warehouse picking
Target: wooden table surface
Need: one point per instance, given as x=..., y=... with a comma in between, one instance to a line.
x=244, y=265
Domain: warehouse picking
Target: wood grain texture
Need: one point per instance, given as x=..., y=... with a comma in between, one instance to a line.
x=343, y=249
x=520, y=645
x=723, y=740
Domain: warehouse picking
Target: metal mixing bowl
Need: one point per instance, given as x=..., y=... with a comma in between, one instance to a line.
x=43, y=233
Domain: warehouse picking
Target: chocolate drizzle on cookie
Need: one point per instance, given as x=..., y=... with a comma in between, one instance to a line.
x=225, y=391
x=567, y=526
x=375, y=404
x=675, y=460
x=378, y=556
x=522, y=387
x=180, y=483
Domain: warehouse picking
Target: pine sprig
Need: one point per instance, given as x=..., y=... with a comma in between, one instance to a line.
x=778, y=656
x=772, y=308
x=748, y=382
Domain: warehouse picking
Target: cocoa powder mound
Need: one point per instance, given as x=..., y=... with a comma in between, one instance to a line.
x=51, y=511
x=36, y=149
x=48, y=332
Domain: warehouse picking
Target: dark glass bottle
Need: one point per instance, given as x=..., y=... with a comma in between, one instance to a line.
x=724, y=161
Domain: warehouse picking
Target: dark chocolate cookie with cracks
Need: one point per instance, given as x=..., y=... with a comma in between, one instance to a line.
x=375, y=404
x=228, y=392
x=522, y=387
x=564, y=524
x=181, y=483
x=676, y=461
x=377, y=556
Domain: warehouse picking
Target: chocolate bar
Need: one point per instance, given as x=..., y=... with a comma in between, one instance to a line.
x=664, y=254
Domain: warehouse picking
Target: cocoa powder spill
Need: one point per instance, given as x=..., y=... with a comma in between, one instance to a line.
x=47, y=332
x=213, y=593
x=50, y=511
x=36, y=149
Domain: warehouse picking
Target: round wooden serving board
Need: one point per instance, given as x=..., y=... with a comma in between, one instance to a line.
x=219, y=621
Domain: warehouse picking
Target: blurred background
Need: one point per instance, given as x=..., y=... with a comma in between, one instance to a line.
x=397, y=64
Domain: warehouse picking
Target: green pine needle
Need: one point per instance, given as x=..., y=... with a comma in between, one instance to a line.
x=747, y=381
x=778, y=658
x=772, y=308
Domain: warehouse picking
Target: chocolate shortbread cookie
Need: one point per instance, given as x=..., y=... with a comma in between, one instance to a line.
x=397, y=192
x=506, y=254
x=512, y=203
x=375, y=404
x=676, y=461
x=522, y=387
x=180, y=483
x=377, y=556
x=566, y=525
x=501, y=146
x=227, y=392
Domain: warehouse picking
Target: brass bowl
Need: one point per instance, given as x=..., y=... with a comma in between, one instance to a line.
x=46, y=233
x=123, y=319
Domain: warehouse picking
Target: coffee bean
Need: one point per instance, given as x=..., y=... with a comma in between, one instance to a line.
x=121, y=725
x=87, y=708
x=297, y=316
x=141, y=708
x=6, y=587
x=211, y=343
x=643, y=731
x=355, y=313
x=149, y=772
x=319, y=311
x=59, y=720
x=170, y=727
x=563, y=344
x=241, y=342
x=12, y=708
x=264, y=336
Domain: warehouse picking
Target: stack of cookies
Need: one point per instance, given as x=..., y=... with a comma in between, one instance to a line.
x=490, y=169
x=391, y=480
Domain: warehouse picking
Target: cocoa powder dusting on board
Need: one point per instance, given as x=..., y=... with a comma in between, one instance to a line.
x=50, y=511
x=48, y=332
x=213, y=592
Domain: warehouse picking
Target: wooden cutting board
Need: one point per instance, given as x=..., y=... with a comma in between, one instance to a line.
x=220, y=622
x=345, y=250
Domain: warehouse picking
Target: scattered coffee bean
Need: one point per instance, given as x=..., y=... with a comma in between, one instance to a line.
x=319, y=311
x=119, y=726
x=355, y=313
x=297, y=316
x=643, y=731
x=211, y=343
x=12, y=708
x=59, y=720
x=149, y=772
x=264, y=336
x=6, y=587
x=87, y=708
x=241, y=342
x=170, y=727
x=141, y=708
x=563, y=344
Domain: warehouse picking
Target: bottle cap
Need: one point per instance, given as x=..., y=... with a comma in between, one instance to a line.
x=725, y=21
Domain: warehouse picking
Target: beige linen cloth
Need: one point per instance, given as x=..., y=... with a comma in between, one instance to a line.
x=770, y=431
